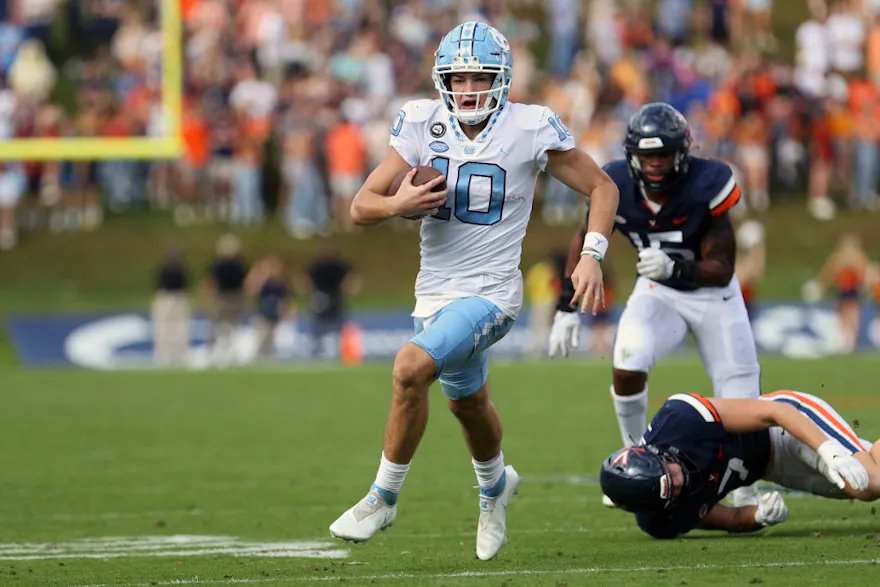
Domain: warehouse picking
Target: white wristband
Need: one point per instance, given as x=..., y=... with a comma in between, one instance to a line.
x=595, y=242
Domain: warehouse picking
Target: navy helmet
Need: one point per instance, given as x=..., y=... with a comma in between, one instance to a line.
x=658, y=129
x=637, y=478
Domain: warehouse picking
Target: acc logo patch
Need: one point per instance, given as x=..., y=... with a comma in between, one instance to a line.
x=439, y=147
x=438, y=129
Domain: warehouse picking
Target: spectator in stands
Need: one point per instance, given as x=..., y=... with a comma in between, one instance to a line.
x=328, y=283
x=31, y=75
x=224, y=289
x=752, y=140
x=866, y=131
x=347, y=166
x=121, y=179
x=253, y=102
x=305, y=194
x=846, y=38
x=170, y=313
x=192, y=169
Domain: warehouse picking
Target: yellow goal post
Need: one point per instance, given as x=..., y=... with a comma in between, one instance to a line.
x=97, y=148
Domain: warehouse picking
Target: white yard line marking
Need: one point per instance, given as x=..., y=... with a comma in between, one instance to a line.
x=175, y=545
x=483, y=574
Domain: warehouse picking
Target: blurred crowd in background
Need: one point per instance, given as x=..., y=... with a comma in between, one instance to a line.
x=288, y=102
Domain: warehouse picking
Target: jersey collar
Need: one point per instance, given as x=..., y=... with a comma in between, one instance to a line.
x=455, y=125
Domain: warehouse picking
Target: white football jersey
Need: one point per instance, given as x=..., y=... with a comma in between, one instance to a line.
x=473, y=245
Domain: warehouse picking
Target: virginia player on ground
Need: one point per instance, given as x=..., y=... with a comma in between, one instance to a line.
x=673, y=207
x=696, y=450
x=469, y=288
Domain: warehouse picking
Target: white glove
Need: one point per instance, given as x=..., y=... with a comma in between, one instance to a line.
x=840, y=467
x=564, y=333
x=654, y=264
x=771, y=509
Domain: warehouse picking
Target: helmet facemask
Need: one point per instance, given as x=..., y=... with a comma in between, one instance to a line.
x=494, y=97
x=670, y=174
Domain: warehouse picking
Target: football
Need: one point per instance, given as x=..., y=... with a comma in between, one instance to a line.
x=423, y=175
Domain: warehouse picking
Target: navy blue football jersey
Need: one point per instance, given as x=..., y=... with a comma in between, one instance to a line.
x=679, y=225
x=724, y=461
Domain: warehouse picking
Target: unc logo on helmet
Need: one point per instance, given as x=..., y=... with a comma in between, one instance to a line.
x=658, y=129
x=473, y=47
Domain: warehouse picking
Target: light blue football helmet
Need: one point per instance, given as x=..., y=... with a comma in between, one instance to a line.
x=473, y=47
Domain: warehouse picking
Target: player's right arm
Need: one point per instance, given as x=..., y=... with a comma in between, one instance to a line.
x=371, y=205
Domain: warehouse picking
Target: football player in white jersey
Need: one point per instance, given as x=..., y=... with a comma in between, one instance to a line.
x=469, y=287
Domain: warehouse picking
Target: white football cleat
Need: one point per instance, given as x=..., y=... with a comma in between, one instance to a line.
x=367, y=517
x=492, y=527
x=606, y=501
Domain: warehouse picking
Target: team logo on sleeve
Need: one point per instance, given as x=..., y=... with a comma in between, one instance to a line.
x=438, y=129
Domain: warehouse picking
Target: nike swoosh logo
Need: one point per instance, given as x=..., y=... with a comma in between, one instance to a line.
x=725, y=298
x=677, y=221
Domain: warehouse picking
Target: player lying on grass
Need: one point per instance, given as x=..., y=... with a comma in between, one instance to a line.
x=697, y=450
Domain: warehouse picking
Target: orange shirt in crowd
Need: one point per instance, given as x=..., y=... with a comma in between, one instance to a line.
x=724, y=102
x=346, y=152
x=196, y=139
x=860, y=91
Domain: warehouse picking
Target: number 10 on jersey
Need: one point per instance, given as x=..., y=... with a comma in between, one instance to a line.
x=460, y=194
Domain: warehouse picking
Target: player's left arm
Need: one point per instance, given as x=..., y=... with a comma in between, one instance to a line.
x=770, y=511
x=730, y=519
x=718, y=250
x=580, y=172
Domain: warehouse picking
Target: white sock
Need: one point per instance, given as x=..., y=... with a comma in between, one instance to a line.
x=389, y=479
x=632, y=415
x=490, y=475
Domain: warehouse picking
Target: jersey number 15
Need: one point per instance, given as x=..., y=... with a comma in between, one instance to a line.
x=460, y=194
x=662, y=240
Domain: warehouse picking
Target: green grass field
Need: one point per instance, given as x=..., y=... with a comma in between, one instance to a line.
x=119, y=479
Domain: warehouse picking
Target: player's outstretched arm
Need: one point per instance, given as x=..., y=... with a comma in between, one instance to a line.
x=749, y=415
x=719, y=256
x=371, y=205
x=838, y=463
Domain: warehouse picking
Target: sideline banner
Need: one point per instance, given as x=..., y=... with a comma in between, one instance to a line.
x=125, y=340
